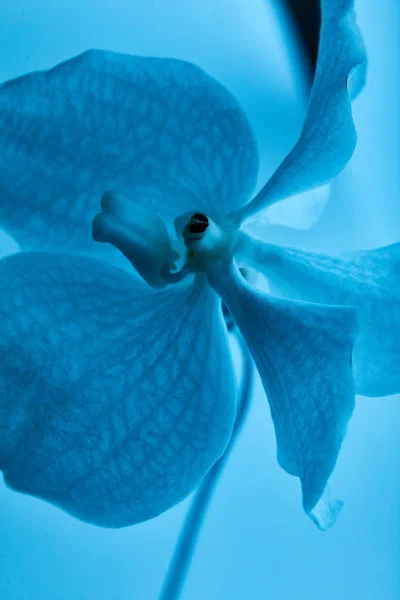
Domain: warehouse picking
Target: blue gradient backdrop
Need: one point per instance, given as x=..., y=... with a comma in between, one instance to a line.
x=256, y=542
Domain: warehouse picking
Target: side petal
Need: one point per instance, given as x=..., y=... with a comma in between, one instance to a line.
x=303, y=354
x=161, y=132
x=115, y=399
x=368, y=280
x=301, y=211
x=328, y=137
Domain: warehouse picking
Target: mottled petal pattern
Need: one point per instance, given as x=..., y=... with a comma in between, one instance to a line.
x=108, y=408
x=368, y=280
x=328, y=137
x=303, y=354
x=159, y=131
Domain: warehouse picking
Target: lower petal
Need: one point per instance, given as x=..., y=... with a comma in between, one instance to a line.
x=303, y=354
x=115, y=399
x=368, y=280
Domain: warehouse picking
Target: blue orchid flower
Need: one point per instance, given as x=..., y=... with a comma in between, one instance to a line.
x=119, y=392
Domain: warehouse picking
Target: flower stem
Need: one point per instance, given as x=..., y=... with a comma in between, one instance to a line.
x=186, y=544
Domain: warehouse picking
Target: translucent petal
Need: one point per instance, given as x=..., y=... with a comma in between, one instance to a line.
x=115, y=399
x=368, y=280
x=301, y=211
x=328, y=137
x=160, y=132
x=303, y=354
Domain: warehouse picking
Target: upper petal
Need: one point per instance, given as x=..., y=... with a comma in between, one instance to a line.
x=303, y=354
x=159, y=131
x=328, y=137
x=115, y=400
x=368, y=280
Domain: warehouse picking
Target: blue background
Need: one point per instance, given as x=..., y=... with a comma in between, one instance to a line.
x=256, y=542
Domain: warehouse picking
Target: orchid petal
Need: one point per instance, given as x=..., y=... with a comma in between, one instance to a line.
x=368, y=280
x=115, y=399
x=161, y=132
x=303, y=354
x=301, y=211
x=328, y=137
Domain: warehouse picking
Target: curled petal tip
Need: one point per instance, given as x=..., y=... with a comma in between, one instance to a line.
x=326, y=511
x=108, y=200
x=99, y=229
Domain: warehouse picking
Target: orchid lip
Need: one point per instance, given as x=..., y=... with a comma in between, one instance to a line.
x=139, y=234
x=145, y=241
